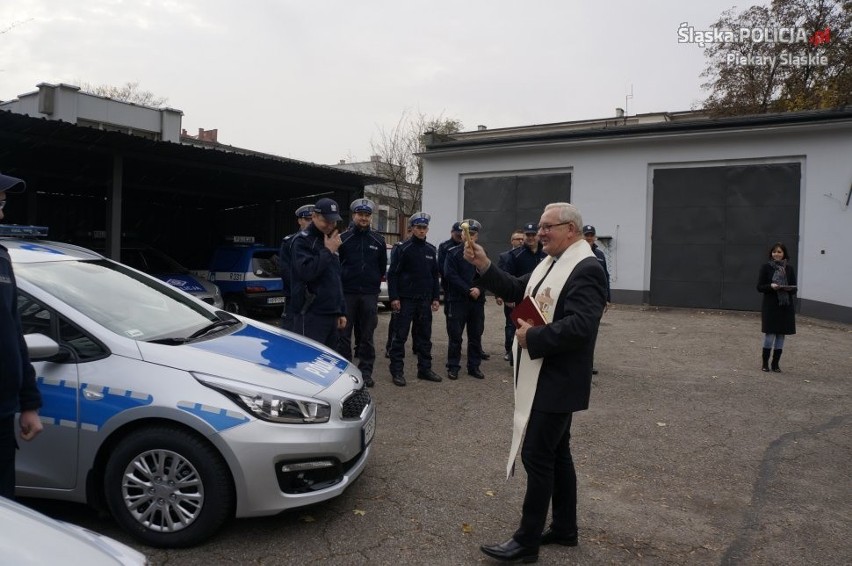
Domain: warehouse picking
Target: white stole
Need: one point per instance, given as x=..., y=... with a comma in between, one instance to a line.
x=526, y=369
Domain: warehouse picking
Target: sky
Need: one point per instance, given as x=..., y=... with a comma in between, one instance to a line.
x=318, y=80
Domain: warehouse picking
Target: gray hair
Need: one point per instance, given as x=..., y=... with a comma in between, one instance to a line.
x=567, y=213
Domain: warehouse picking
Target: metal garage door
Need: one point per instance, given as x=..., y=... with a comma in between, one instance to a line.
x=503, y=204
x=712, y=228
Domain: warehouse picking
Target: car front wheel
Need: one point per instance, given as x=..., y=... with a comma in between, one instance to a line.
x=168, y=488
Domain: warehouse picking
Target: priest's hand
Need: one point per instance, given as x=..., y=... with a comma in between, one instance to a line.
x=521, y=332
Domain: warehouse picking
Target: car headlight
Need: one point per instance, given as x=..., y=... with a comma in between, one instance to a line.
x=269, y=404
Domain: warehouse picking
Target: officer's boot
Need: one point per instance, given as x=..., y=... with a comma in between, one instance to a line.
x=766, y=352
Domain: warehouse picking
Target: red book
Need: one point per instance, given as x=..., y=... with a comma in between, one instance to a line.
x=528, y=311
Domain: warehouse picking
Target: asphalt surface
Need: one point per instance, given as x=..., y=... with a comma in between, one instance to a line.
x=689, y=454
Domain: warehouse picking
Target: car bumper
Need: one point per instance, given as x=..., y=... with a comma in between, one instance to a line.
x=278, y=467
x=265, y=300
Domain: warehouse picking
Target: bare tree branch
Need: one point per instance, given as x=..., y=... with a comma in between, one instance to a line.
x=397, y=150
x=129, y=92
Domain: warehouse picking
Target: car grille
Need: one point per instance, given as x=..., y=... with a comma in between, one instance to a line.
x=354, y=405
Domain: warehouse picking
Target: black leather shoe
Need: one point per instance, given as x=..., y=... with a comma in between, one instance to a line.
x=398, y=380
x=476, y=372
x=453, y=374
x=368, y=381
x=428, y=375
x=510, y=551
x=550, y=537
x=484, y=356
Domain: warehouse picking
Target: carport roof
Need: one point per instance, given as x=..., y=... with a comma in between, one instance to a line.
x=78, y=158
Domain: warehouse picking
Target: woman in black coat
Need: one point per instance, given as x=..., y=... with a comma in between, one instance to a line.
x=777, y=282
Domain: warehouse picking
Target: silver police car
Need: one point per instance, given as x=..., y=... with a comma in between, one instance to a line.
x=171, y=413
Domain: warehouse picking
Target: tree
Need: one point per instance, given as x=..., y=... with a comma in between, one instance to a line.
x=398, y=161
x=792, y=55
x=129, y=92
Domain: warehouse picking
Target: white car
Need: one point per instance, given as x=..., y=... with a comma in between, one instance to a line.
x=29, y=538
x=171, y=413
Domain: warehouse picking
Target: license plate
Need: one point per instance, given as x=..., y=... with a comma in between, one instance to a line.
x=275, y=300
x=369, y=429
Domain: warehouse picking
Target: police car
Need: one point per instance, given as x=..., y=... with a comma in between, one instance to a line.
x=173, y=414
x=247, y=274
x=163, y=267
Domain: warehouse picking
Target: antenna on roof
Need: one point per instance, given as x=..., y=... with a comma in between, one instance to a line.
x=627, y=97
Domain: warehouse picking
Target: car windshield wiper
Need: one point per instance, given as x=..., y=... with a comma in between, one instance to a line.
x=211, y=327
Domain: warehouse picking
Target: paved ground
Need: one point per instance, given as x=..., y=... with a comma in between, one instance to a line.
x=689, y=454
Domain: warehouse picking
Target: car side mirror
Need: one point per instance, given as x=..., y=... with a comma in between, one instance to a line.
x=41, y=347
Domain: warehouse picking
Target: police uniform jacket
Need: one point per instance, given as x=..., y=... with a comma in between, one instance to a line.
x=18, y=391
x=413, y=272
x=521, y=260
x=315, y=272
x=284, y=257
x=443, y=248
x=460, y=275
x=602, y=260
x=364, y=261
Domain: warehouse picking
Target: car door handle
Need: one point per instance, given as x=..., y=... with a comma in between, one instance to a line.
x=92, y=395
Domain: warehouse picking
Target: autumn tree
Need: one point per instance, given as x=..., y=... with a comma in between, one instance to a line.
x=129, y=92
x=808, y=66
x=398, y=162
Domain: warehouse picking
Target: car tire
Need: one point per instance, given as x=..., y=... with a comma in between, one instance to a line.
x=142, y=485
x=234, y=305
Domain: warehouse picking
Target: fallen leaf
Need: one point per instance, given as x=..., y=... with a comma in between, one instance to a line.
x=807, y=381
x=359, y=512
x=661, y=424
x=489, y=493
x=307, y=519
x=466, y=529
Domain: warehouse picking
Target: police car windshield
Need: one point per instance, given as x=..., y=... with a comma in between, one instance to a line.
x=121, y=300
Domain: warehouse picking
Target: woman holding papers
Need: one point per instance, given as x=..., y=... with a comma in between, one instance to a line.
x=777, y=282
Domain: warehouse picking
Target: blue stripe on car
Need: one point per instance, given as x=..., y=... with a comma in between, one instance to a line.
x=262, y=347
x=219, y=419
x=59, y=403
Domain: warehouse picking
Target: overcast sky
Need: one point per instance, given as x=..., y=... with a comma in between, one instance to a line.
x=316, y=80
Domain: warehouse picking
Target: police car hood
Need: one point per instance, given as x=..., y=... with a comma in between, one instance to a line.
x=256, y=354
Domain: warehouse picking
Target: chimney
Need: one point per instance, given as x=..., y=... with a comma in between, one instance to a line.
x=208, y=135
x=342, y=162
x=619, y=112
x=375, y=158
x=482, y=127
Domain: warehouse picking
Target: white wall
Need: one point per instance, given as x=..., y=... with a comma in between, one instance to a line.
x=611, y=186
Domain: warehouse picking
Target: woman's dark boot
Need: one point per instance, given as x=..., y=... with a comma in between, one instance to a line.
x=766, y=352
x=776, y=355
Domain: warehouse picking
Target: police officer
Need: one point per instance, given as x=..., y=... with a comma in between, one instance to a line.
x=414, y=292
x=516, y=240
x=18, y=390
x=303, y=217
x=317, y=293
x=464, y=306
x=364, y=261
x=590, y=235
x=444, y=247
x=523, y=260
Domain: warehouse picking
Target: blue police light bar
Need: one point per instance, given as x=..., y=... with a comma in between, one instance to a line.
x=22, y=231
